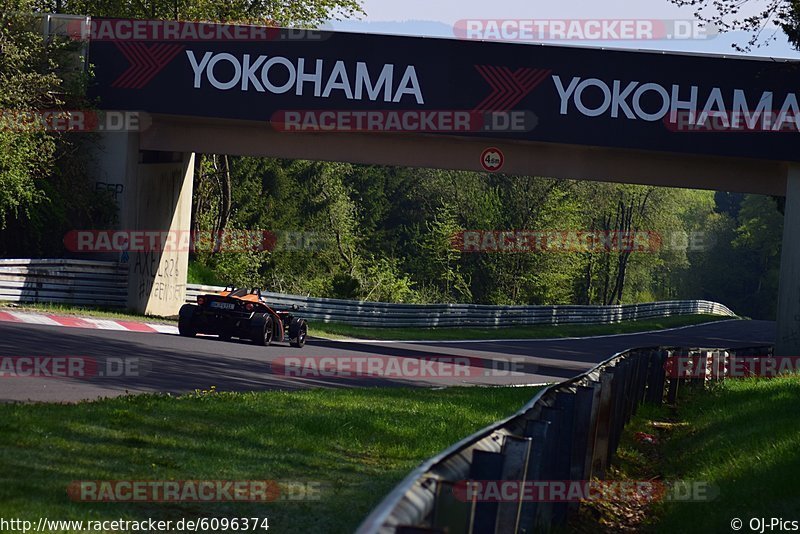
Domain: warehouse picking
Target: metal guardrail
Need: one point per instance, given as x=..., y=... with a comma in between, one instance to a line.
x=104, y=283
x=95, y=283
x=360, y=313
x=568, y=431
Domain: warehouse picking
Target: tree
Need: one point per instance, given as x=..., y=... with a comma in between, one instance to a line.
x=27, y=82
x=771, y=17
x=304, y=13
x=44, y=191
x=739, y=262
x=438, y=262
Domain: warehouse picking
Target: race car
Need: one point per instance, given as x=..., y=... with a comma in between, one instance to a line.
x=243, y=314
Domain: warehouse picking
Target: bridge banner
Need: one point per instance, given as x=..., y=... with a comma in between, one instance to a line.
x=304, y=81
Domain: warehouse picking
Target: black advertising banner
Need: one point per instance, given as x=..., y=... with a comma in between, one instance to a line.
x=344, y=82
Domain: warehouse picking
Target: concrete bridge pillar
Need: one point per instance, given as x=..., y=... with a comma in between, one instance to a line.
x=155, y=195
x=787, y=342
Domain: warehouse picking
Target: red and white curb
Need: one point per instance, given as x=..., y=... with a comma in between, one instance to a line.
x=48, y=319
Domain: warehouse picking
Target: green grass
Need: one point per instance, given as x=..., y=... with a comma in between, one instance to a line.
x=358, y=443
x=741, y=438
x=339, y=331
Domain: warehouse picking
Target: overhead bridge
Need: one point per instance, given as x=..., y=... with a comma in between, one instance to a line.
x=667, y=119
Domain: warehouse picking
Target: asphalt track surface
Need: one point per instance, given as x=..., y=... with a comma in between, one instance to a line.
x=170, y=363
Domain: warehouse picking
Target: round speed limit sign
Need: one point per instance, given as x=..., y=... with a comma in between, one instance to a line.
x=492, y=159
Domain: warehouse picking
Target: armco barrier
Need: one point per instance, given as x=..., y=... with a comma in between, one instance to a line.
x=568, y=431
x=359, y=313
x=94, y=283
x=103, y=283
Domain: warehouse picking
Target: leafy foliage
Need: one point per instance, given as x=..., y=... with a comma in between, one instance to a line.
x=387, y=234
x=44, y=191
x=305, y=13
x=771, y=16
x=26, y=83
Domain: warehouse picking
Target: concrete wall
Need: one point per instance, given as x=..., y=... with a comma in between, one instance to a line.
x=250, y=138
x=115, y=159
x=154, y=194
x=787, y=342
x=162, y=200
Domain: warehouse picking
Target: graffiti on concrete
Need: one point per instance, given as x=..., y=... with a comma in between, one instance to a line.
x=159, y=277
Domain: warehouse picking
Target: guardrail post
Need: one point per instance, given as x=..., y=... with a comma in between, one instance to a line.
x=516, y=453
x=566, y=440
x=633, y=382
x=538, y=432
x=485, y=466
x=656, y=377
x=630, y=387
x=644, y=360
x=544, y=510
x=705, y=363
x=449, y=513
x=719, y=365
x=592, y=435
x=695, y=362
x=618, y=391
x=675, y=369
x=602, y=436
x=581, y=427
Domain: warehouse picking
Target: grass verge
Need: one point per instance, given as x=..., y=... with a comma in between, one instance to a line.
x=358, y=443
x=740, y=441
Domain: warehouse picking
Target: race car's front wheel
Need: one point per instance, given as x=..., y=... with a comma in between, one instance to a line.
x=298, y=330
x=262, y=335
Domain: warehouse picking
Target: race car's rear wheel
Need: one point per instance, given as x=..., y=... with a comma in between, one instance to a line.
x=263, y=335
x=298, y=331
x=185, y=325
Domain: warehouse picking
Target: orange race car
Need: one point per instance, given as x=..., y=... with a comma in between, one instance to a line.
x=243, y=314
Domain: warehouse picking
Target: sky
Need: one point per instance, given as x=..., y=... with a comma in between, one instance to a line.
x=438, y=18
